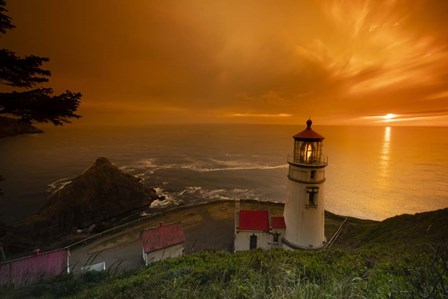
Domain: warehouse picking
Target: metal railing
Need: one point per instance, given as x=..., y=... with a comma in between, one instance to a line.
x=336, y=234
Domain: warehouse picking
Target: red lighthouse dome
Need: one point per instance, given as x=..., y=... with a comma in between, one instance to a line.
x=308, y=146
x=308, y=134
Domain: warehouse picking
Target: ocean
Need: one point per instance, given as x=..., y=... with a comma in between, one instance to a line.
x=372, y=172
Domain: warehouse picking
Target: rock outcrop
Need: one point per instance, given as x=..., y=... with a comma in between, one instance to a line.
x=100, y=193
x=12, y=127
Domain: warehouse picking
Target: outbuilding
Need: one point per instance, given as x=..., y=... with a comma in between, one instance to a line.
x=32, y=268
x=257, y=229
x=161, y=242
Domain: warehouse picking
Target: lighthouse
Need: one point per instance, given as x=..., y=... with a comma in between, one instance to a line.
x=304, y=212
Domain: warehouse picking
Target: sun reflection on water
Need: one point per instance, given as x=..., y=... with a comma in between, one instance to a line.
x=385, y=158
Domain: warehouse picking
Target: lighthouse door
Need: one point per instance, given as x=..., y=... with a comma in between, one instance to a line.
x=253, y=242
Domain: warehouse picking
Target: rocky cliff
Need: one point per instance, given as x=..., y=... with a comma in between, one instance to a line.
x=13, y=127
x=101, y=192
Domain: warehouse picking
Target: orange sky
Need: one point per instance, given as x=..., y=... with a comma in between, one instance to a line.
x=342, y=62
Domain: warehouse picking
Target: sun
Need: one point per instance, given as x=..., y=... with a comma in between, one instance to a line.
x=388, y=117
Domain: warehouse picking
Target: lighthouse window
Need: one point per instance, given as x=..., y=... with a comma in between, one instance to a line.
x=312, y=196
x=313, y=174
x=312, y=199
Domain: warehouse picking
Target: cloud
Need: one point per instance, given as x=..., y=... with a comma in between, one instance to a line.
x=259, y=115
x=334, y=59
x=428, y=118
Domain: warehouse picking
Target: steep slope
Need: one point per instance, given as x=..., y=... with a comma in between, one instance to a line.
x=101, y=192
x=370, y=269
x=399, y=232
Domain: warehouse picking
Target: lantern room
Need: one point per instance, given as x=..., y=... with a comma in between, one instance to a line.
x=307, y=146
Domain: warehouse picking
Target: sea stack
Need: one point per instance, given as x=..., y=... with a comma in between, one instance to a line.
x=99, y=194
x=102, y=191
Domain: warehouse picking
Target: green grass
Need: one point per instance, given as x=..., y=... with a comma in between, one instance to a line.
x=402, y=257
x=262, y=274
x=414, y=232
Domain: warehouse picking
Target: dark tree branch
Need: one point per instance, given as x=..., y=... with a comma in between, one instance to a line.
x=41, y=105
x=5, y=21
x=36, y=105
x=22, y=72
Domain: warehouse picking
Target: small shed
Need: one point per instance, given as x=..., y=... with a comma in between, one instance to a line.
x=164, y=241
x=32, y=268
x=256, y=229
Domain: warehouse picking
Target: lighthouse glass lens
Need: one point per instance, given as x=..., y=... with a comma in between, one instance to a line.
x=306, y=153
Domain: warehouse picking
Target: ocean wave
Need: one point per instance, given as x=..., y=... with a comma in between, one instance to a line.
x=244, y=166
x=204, y=194
x=200, y=194
x=209, y=165
x=169, y=199
x=228, y=165
x=58, y=185
x=142, y=171
x=140, y=165
x=190, y=190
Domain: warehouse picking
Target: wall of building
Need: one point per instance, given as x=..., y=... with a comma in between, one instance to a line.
x=281, y=234
x=304, y=174
x=158, y=255
x=304, y=224
x=242, y=240
x=33, y=268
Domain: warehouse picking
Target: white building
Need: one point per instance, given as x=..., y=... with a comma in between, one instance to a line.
x=164, y=241
x=304, y=205
x=257, y=229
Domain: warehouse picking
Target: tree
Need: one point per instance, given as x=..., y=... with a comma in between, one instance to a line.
x=31, y=105
x=37, y=104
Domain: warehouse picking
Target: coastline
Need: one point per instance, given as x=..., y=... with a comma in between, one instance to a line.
x=10, y=127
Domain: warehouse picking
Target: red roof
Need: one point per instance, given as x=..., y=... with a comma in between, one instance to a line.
x=308, y=133
x=254, y=220
x=162, y=236
x=278, y=222
x=32, y=268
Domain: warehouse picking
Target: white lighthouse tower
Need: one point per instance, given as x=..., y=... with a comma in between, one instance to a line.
x=304, y=206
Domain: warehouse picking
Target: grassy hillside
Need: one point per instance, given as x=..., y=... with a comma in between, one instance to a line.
x=372, y=260
x=260, y=274
x=400, y=232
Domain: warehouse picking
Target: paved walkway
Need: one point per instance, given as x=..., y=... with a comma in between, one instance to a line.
x=209, y=227
x=206, y=227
